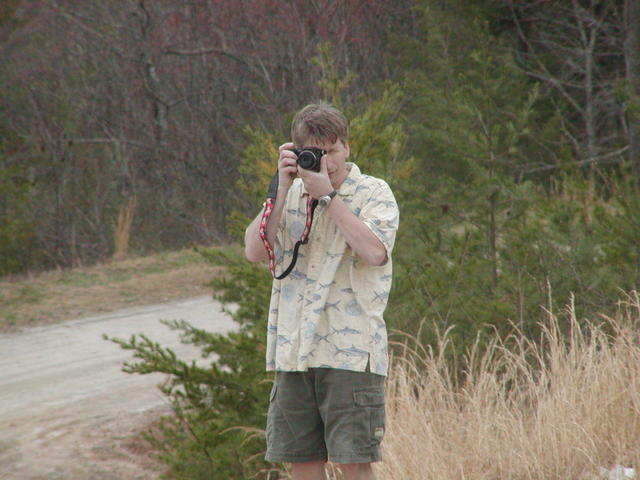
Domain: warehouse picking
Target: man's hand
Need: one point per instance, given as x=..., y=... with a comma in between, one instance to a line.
x=316, y=183
x=287, y=166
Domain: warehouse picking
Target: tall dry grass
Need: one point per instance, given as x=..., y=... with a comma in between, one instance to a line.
x=562, y=408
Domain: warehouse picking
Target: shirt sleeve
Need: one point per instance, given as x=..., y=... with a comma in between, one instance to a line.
x=382, y=216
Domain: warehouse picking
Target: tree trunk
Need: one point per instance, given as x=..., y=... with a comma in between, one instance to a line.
x=122, y=233
x=632, y=61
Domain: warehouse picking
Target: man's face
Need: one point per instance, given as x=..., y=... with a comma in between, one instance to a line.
x=335, y=158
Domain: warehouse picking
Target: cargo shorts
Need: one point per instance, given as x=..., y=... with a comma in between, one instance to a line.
x=326, y=414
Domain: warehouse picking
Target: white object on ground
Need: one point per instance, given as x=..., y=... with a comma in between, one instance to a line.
x=618, y=473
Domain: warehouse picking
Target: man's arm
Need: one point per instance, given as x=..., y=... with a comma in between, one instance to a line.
x=254, y=249
x=359, y=237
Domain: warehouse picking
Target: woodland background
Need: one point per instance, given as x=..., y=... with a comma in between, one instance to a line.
x=509, y=131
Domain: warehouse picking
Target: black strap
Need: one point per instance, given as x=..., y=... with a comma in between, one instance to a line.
x=297, y=247
x=272, y=193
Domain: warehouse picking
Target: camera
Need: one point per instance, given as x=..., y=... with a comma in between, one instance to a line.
x=309, y=158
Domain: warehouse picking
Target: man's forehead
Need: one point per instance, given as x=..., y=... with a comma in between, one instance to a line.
x=322, y=143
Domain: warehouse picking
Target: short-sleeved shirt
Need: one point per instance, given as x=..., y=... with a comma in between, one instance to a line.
x=328, y=312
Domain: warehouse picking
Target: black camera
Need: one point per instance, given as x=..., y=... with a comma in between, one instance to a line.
x=309, y=158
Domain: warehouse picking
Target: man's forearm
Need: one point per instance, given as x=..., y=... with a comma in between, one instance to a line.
x=359, y=237
x=254, y=248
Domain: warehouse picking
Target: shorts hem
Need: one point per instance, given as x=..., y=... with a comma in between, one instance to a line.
x=364, y=458
x=276, y=457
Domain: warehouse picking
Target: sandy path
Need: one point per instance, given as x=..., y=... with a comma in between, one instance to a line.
x=67, y=411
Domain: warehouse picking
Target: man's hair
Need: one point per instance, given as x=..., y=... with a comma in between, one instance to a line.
x=319, y=121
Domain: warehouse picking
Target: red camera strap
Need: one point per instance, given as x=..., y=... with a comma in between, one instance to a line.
x=304, y=238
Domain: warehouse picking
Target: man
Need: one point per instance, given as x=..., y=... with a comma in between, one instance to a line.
x=326, y=338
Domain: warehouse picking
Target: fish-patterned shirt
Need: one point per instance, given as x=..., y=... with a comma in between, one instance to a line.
x=328, y=312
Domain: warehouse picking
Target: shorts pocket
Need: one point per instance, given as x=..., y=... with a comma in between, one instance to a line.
x=371, y=399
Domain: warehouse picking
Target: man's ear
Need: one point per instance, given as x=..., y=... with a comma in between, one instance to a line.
x=346, y=145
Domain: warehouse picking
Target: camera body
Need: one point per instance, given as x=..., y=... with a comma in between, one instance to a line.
x=309, y=157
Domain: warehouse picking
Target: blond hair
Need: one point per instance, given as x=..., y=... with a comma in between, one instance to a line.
x=319, y=121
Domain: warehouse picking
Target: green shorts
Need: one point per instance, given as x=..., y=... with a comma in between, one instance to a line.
x=325, y=414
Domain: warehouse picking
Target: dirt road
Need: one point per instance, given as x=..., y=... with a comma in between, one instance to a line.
x=67, y=411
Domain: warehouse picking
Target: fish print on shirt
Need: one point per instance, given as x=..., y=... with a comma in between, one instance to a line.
x=380, y=296
x=304, y=358
x=353, y=308
x=328, y=311
x=352, y=352
x=297, y=213
x=376, y=338
x=346, y=331
x=312, y=299
x=386, y=203
x=298, y=275
x=308, y=330
x=317, y=338
x=328, y=306
x=289, y=253
x=288, y=292
x=296, y=229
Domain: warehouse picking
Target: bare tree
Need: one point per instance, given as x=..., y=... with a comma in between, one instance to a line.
x=632, y=62
x=116, y=101
x=575, y=49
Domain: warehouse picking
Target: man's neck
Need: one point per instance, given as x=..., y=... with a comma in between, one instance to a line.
x=342, y=178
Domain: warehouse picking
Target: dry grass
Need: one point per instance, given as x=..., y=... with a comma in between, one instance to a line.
x=563, y=410
x=49, y=297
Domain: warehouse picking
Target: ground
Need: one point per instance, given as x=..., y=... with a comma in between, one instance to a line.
x=67, y=411
x=49, y=297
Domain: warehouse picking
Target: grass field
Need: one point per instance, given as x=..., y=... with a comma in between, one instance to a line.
x=566, y=408
x=53, y=296
x=563, y=408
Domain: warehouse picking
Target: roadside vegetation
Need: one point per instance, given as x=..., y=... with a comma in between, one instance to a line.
x=509, y=131
x=565, y=407
x=28, y=300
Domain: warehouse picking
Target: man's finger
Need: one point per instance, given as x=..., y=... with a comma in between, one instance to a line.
x=286, y=146
x=323, y=165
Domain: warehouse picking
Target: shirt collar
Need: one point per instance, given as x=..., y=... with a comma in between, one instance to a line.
x=350, y=183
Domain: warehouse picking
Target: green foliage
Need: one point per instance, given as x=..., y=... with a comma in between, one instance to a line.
x=219, y=410
x=462, y=254
x=16, y=235
x=617, y=225
x=331, y=83
x=481, y=244
x=377, y=139
x=258, y=165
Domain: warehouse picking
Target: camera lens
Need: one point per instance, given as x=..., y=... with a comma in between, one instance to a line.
x=307, y=159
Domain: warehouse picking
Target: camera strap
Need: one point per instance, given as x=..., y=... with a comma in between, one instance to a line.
x=266, y=215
